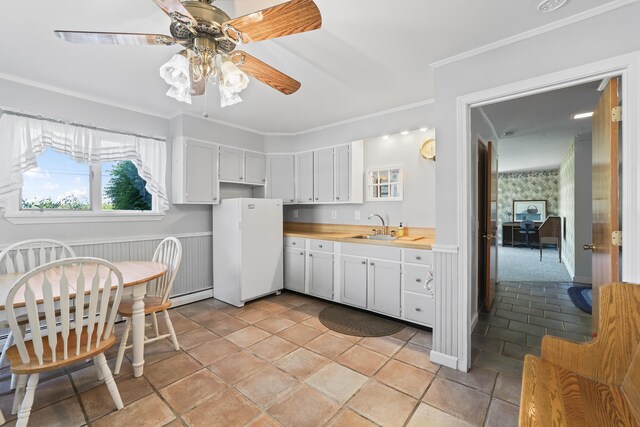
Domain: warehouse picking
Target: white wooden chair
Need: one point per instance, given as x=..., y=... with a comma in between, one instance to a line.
x=57, y=339
x=25, y=256
x=169, y=252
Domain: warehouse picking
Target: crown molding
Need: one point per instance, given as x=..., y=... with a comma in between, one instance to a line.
x=587, y=14
x=62, y=91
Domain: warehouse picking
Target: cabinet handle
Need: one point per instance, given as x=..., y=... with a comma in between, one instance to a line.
x=310, y=255
x=418, y=258
x=316, y=198
x=371, y=263
x=293, y=243
x=337, y=198
x=301, y=253
x=310, y=199
x=319, y=246
x=215, y=198
x=418, y=280
x=418, y=309
x=240, y=178
x=263, y=180
x=364, y=262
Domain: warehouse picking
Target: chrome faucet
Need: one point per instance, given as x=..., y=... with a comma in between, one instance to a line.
x=384, y=228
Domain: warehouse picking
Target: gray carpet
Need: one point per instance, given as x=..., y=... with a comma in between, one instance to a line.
x=523, y=265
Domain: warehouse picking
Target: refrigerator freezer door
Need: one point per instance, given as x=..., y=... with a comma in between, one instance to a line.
x=261, y=247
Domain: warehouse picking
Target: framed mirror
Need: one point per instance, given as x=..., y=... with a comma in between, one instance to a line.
x=385, y=184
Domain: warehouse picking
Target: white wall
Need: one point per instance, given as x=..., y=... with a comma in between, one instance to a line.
x=418, y=207
x=567, y=208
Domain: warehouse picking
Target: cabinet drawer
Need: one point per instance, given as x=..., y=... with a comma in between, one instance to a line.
x=371, y=251
x=419, y=308
x=295, y=242
x=321, y=245
x=418, y=256
x=415, y=279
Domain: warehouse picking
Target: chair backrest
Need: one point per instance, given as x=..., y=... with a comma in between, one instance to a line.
x=51, y=289
x=28, y=254
x=550, y=227
x=526, y=224
x=631, y=384
x=168, y=252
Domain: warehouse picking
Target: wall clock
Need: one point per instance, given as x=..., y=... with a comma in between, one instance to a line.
x=428, y=149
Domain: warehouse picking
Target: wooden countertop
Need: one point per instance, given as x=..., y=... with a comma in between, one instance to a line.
x=418, y=238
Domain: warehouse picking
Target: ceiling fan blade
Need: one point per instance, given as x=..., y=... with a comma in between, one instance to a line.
x=296, y=16
x=115, y=38
x=176, y=11
x=265, y=73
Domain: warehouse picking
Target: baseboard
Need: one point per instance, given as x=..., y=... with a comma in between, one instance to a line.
x=474, y=322
x=193, y=297
x=444, y=359
x=582, y=279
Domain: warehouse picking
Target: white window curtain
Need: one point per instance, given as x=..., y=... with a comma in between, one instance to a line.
x=23, y=138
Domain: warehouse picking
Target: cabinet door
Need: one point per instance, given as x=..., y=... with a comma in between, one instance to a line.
x=321, y=274
x=201, y=177
x=353, y=281
x=255, y=165
x=323, y=175
x=343, y=173
x=294, y=269
x=281, y=177
x=231, y=164
x=384, y=287
x=304, y=173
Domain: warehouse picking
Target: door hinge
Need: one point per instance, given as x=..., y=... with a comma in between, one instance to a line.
x=616, y=238
x=616, y=114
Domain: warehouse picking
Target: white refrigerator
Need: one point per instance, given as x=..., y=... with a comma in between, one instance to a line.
x=247, y=249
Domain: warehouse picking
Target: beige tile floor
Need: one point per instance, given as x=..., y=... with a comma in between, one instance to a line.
x=273, y=363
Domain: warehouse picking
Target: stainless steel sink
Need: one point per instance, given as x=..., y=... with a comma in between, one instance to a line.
x=376, y=237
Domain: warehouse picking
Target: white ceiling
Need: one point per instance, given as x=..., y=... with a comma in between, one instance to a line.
x=370, y=55
x=542, y=125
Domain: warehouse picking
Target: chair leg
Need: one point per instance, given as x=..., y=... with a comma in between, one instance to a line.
x=7, y=343
x=155, y=324
x=172, y=332
x=21, y=384
x=123, y=345
x=99, y=373
x=101, y=362
x=27, y=401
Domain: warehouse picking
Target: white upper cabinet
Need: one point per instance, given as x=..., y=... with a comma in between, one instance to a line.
x=281, y=177
x=342, y=175
x=231, y=164
x=194, y=172
x=323, y=175
x=304, y=177
x=255, y=165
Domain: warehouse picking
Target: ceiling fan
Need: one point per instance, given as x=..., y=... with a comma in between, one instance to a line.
x=210, y=37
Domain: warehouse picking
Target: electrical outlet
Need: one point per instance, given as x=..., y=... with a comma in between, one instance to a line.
x=334, y=214
x=356, y=215
x=295, y=213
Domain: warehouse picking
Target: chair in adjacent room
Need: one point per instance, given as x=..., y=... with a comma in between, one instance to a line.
x=63, y=329
x=527, y=228
x=25, y=256
x=550, y=233
x=157, y=300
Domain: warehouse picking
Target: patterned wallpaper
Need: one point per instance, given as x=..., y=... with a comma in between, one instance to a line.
x=567, y=202
x=528, y=185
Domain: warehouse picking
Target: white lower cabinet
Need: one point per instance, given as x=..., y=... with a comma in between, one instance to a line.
x=320, y=266
x=384, y=287
x=353, y=280
x=294, y=268
x=387, y=280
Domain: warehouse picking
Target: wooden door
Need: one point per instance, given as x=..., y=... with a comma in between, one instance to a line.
x=294, y=260
x=281, y=177
x=343, y=173
x=605, y=181
x=304, y=174
x=321, y=274
x=384, y=287
x=231, y=165
x=201, y=164
x=353, y=274
x=255, y=167
x=323, y=175
x=491, y=249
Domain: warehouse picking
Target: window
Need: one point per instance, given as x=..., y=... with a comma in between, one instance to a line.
x=59, y=182
x=385, y=184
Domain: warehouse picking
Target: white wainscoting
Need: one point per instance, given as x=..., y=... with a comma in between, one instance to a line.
x=449, y=347
x=195, y=274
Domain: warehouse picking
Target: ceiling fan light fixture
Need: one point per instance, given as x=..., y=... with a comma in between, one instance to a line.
x=175, y=73
x=228, y=97
x=233, y=78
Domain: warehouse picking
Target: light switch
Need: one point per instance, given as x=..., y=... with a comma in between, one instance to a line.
x=295, y=213
x=356, y=215
x=334, y=214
